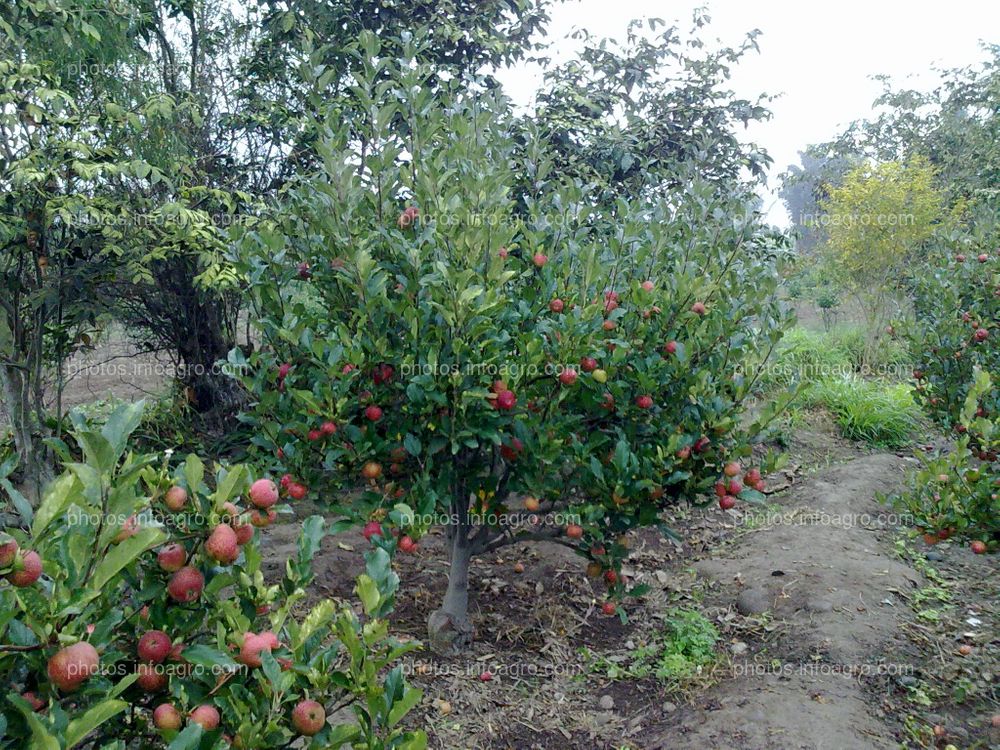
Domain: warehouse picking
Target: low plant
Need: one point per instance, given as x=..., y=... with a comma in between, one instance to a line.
x=873, y=412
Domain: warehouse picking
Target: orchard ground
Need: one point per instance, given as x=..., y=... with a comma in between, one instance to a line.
x=836, y=627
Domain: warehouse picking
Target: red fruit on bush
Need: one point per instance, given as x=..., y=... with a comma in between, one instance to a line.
x=347, y=369
x=608, y=401
x=731, y=469
x=296, y=491
x=608, y=325
x=759, y=485
x=314, y=435
x=506, y=400
x=166, y=718
x=609, y=608
x=684, y=453
x=982, y=257
x=727, y=501
x=372, y=529
x=151, y=677
x=253, y=646
x=485, y=676
x=671, y=347
x=647, y=285
x=981, y=334
x=568, y=376
x=406, y=544
x=283, y=370
x=176, y=498
x=328, y=428
x=8, y=553
x=720, y=489
x=960, y=258
x=171, y=557
x=154, y=646
x=588, y=364
x=503, y=252
x=539, y=259
x=262, y=518
x=263, y=493
x=72, y=666
x=305, y=272
x=610, y=577
x=574, y=531
x=36, y=703
x=207, y=716
x=752, y=477
x=29, y=571
x=373, y=413
x=308, y=718
x=978, y=546
x=698, y=308
x=244, y=533
x=734, y=487
x=511, y=450
x=128, y=529
x=372, y=470
x=556, y=305
x=186, y=585
x=644, y=402
x=222, y=545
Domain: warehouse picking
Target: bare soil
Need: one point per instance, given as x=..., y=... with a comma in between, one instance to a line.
x=836, y=630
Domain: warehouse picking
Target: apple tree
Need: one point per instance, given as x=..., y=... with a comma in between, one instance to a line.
x=509, y=365
x=135, y=614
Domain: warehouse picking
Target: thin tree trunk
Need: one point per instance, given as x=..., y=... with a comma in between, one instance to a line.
x=449, y=629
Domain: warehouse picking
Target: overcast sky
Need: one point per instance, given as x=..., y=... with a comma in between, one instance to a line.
x=818, y=57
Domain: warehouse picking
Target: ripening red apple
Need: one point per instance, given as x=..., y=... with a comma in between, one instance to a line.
x=152, y=678
x=8, y=553
x=70, y=667
x=27, y=572
x=982, y=257
x=702, y=444
x=372, y=470
x=503, y=252
x=608, y=325
x=36, y=703
x=978, y=546
x=752, y=477
x=166, y=718
x=981, y=335
x=588, y=364
x=557, y=305
x=305, y=272
x=609, y=608
x=539, y=259
x=608, y=401
x=283, y=370
x=186, y=585
x=698, y=308
x=222, y=545
x=263, y=493
x=207, y=716
x=512, y=450
x=373, y=413
x=734, y=487
x=731, y=469
x=371, y=529
x=531, y=504
x=568, y=376
x=154, y=646
x=407, y=544
x=647, y=285
x=263, y=518
x=171, y=557
x=574, y=531
x=314, y=435
x=684, y=453
x=644, y=402
x=128, y=529
x=254, y=645
x=297, y=491
x=506, y=400
x=308, y=718
x=176, y=498
x=960, y=258
x=726, y=502
x=610, y=577
x=671, y=347
x=328, y=428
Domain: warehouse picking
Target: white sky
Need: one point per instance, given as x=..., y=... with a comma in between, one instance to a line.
x=819, y=56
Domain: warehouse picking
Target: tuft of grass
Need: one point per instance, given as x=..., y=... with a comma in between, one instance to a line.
x=874, y=412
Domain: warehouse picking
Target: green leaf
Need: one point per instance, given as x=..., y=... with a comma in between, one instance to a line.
x=122, y=555
x=188, y=739
x=80, y=727
x=41, y=738
x=206, y=656
x=367, y=591
x=411, y=697
x=194, y=473
x=121, y=424
x=412, y=444
x=57, y=498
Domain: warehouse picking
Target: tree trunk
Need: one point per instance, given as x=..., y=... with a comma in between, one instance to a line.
x=449, y=630
x=32, y=456
x=211, y=391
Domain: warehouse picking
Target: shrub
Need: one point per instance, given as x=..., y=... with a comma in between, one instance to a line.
x=130, y=633
x=870, y=411
x=511, y=366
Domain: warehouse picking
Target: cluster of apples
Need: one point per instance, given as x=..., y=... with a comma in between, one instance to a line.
x=729, y=487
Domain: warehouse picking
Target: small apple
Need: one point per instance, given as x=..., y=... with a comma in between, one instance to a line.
x=308, y=718
x=171, y=557
x=373, y=413
x=506, y=400
x=406, y=544
x=531, y=504
x=8, y=553
x=978, y=547
x=588, y=364
x=263, y=493
x=154, y=646
x=207, y=716
x=297, y=491
x=176, y=498
x=647, y=285
x=151, y=677
x=372, y=529
x=557, y=305
x=600, y=376
x=608, y=325
x=644, y=402
x=671, y=347
x=727, y=501
x=186, y=585
x=166, y=718
x=960, y=258
x=981, y=335
x=568, y=376
x=698, y=308
x=609, y=608
x=982, y=257
x=70, y=667
x=221, y=544
x=328, y=428
x=574, y=531
x=539, y=259
x=372, y=470
x=29, y=570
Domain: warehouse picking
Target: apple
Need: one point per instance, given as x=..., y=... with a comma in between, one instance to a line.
x=539, y=259
x=166, y=718
x=608, y=401
x=347, y=369
x=296, y=491
x=70, y=667
x=726, y=502
x=503, y=252
x=406, y=544
x=982, y=257
x=308, y=718
x=647, y=285
x=328, y=428
x=171, y=557
x=186, y=585
x=8, y=553
x=734, y=487
x=568, y=376
x=511, y=451
x=978, y=546
x=684, y=453
x=720, y=489
x=314, y=435
x=254, y=645
x=671, y=347
x=261, y=519
x=600, y=376
x=221, y=544
x=151, y=677
x=372, y=470
x=981, y=334
x=36, y=703
x=29, y=571
x=557, y=305
x=176, y=498
x=305, y=272
x=644, y=402
x=752, y=477
x=283, y=370
x=506, y=400
x=207, y=716
x=698, y=308
x=405, y=220
x=371, y=529
x=154, y=646
x=373, y=413
x=608, y=325
x=610, y=577
x=574, y=531
x=701, y=444
x=531, y=504
x=383, y=374
x=731, y=469
x=263, y=493
x=960, y=258
x=128, y=529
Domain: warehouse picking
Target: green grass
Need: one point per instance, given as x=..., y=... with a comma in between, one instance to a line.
x=814, y=356
x=871, y=411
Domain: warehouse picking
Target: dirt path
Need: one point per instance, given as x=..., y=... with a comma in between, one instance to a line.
x=823, y=569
